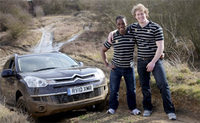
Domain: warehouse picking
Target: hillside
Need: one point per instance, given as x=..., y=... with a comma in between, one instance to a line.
x=86, y=48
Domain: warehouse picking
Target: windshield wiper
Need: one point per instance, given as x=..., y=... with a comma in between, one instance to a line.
x=45, y=69
x=74, y=65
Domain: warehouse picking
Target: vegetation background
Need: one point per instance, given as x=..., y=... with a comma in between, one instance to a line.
x=180, y=20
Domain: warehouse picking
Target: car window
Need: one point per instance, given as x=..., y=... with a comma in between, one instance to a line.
x=9, y=64
x=43, y=62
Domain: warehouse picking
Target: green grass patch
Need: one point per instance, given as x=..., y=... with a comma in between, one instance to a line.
x=198, y=81
x=192, y=92
x=83, y=117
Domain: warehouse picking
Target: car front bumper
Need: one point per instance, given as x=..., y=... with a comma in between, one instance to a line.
x=43, y=106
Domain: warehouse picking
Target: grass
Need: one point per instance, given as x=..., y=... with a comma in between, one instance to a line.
x=198, y=81
x=192, y=92
x=83, y=117
x=7, y=116
x=183, y=85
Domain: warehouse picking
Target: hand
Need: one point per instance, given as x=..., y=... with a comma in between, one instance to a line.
x=150, y=66
x=162, y=56
x=110, y=36
x=110, y=67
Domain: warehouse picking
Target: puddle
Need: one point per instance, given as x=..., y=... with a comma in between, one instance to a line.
x=46, y=43
x=56, y=46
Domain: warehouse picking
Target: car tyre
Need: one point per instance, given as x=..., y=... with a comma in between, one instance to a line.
x=22, y=105
x=101, y=106
x=97, y=107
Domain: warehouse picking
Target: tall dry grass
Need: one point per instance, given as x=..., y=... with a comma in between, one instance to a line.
x=7, y=116
x=179, y=20
x=14, y=20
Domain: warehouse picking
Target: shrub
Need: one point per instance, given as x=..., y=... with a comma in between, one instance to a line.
x=15, y=20
x=2, y=22
x=59, y=7
x=179, y=20
x=15, y=27
x=39, y=11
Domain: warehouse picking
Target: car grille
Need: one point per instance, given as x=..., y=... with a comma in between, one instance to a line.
x=74, y=78
x=64, y=98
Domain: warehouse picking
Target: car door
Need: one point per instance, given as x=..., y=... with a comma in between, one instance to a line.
x=8, y=84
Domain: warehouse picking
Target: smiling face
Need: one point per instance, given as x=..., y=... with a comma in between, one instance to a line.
x=121, y=25
x=140, y=16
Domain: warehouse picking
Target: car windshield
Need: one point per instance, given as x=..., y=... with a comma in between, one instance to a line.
x=40, y=62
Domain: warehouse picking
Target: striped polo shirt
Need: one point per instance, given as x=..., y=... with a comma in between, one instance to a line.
x=123, y=46
x=146, y=38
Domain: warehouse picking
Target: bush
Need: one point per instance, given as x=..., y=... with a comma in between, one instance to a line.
x=15, y=20
x=39, y=11
x=2, y=22
x=15, y=27
x=58, y=6
x=180, y=22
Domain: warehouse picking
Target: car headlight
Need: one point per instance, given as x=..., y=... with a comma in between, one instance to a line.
x=99, y=74
x=36, y=82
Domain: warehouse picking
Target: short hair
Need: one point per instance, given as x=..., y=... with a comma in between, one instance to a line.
x=120, y=17
x=140, y=7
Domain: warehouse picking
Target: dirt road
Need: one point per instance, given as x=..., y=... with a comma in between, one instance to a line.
x=122, y=116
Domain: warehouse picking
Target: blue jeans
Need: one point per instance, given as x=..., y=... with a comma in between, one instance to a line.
x=161, y=82
x=115, y=78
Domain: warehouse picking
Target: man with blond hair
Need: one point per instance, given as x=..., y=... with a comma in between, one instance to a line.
x=150, y=42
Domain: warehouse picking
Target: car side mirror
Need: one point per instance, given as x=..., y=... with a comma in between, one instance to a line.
x=7, y=73
x=81, y=64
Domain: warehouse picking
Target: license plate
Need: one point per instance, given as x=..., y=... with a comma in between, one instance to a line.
x=80, y=89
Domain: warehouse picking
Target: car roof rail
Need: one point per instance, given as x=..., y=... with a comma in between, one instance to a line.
x=55, y=52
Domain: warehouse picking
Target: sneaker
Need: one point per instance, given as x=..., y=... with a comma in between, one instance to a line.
x=135, y=112
x=172, y=116
x=147, y=113
x=110, y=111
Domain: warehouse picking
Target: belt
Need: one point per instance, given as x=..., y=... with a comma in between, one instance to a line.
x=146, y=58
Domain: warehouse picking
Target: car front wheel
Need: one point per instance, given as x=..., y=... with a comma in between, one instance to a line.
x=101, y=106
x=98, y=107
x=22, y=105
